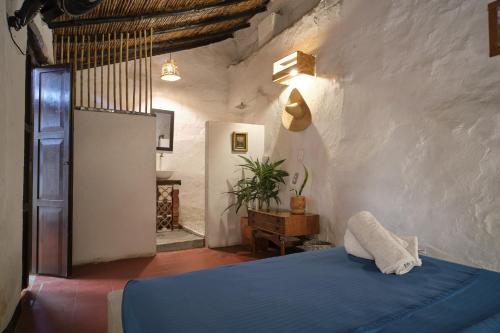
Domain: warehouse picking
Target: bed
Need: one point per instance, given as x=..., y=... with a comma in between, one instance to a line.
x=323, y=291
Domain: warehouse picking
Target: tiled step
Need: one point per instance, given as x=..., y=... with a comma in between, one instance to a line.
x=178, y=240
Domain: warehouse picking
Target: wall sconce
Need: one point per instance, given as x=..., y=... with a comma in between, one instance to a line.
x=293, y=65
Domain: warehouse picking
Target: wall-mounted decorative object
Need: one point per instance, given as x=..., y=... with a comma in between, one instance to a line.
x=494, y=21
x=164, y=130
x=239, y=142
x=293, y=65
x=297, y=115
x=170, y=71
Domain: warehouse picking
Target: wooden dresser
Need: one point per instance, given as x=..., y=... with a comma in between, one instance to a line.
x=278, y=226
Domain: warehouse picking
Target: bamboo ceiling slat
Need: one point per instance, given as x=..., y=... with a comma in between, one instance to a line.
x=119, y=7
x=176, y=32
x=156, y=23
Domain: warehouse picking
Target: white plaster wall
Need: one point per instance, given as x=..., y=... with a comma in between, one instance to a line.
x=12, y=108
x=12, y=70
x=406, y=119
x=114, y=209
x=223, y=228
x=200, y=96
x=246, y=41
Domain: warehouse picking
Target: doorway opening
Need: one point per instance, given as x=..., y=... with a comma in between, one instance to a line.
x=47, y=175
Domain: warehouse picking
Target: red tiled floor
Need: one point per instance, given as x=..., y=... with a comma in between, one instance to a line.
x=53, y=305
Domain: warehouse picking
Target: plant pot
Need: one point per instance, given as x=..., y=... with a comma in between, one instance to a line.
x=246, y=231
x=298, y=205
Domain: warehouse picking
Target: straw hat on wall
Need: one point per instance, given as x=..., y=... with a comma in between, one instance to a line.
x=297, y=116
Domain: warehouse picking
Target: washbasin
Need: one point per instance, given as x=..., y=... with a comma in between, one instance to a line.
x=164, y=174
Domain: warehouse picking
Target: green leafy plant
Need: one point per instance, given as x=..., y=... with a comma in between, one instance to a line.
x=261, y=186
x=304, y=182
x=243, y=191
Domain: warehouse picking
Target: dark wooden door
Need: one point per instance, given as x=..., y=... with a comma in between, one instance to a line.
x=52, y=171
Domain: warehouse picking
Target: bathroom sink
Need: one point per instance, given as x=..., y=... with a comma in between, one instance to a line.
x=164, y=174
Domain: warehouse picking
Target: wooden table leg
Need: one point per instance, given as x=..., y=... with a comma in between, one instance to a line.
x=175, y=209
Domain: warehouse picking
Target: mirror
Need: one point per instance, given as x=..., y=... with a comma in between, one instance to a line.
x=494, y=23
x=164, y=130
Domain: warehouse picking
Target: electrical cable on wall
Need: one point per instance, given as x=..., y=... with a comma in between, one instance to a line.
x=15, y=43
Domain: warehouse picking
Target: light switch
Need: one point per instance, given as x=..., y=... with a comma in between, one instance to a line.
x=300, y=155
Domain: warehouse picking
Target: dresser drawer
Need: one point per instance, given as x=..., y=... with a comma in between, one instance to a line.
x=267, y=222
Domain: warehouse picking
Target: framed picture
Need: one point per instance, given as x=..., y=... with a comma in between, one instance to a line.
x=240, y=142
x=494, y=23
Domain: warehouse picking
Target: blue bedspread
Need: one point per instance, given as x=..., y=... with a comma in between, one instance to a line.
x=325, y=291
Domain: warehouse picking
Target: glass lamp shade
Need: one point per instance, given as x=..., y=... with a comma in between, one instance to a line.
x=170, y=71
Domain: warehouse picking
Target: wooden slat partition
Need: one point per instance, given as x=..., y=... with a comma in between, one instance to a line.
x=146, y=71
x=95, y=71
x=81, y=70
x=86, y=52
x=126, y=74
x=135, y=56
x=150, y=69
x=62, y=50
x=68, y=50
x=102, y=70
x=109, y=64
x=140, y=70
x=75, y=68
x=114, y=71
x=88, y=72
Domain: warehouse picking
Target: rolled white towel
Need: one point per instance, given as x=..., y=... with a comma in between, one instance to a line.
x=374, y=241
x=412, y=248
x=353, y=247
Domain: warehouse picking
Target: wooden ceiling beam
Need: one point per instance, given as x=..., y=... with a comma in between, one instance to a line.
x=190, y=45
x=213, y=20
x=182, y=43
x=133, y=18
x=209, y=21
x=207, y=35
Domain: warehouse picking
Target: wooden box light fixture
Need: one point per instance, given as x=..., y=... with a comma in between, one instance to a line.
x=293, y=65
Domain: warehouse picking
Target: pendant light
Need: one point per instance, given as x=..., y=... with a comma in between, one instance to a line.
x=170, y=71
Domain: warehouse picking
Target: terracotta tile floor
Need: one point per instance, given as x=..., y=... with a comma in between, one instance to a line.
x=54, y=305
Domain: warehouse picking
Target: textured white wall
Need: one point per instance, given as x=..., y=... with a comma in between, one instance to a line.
x=12, y=72
x=406, y=121
x=200, y=96
x=114, y=187
x=223, y=228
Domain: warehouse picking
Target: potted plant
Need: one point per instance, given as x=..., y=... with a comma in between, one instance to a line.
x=261, y=186
x=243, y=193
x=298, y=201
